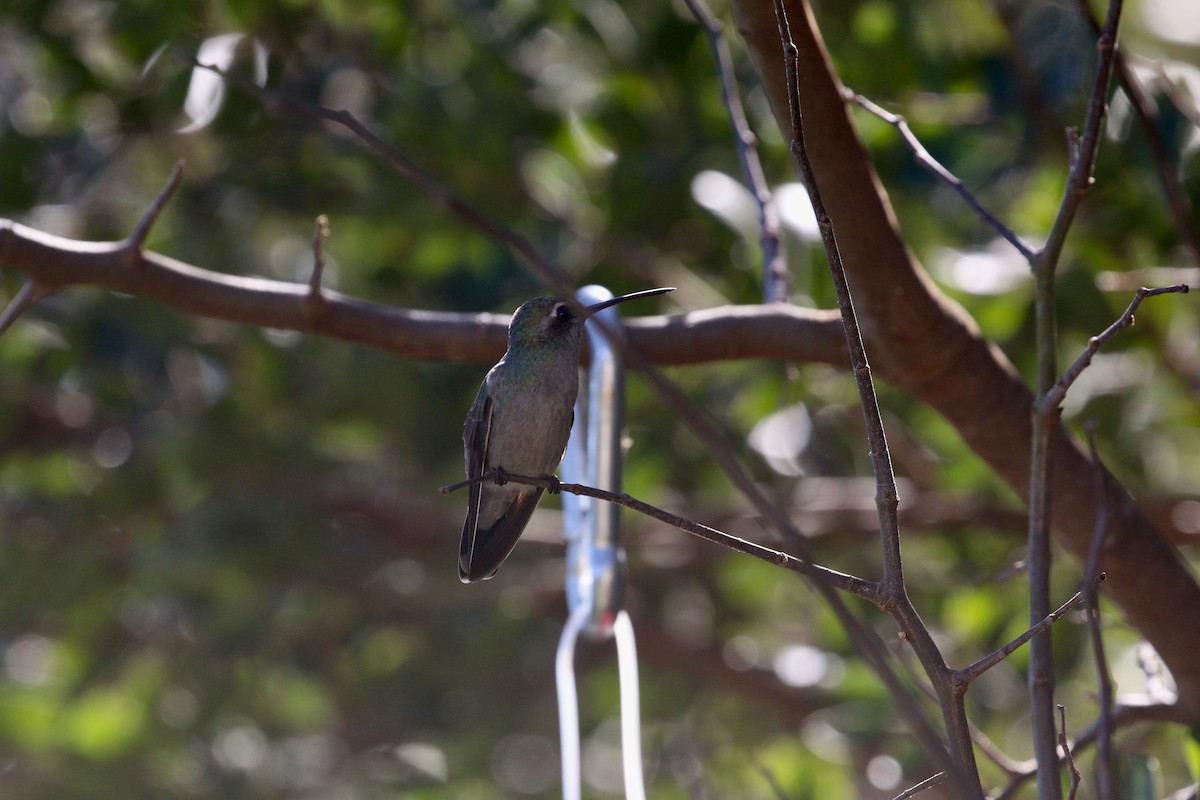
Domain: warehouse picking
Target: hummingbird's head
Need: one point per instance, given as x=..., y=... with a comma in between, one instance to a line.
x=546, y=319
x=550, y=319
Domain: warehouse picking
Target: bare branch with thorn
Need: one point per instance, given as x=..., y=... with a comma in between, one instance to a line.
x=29, y=295
x=136, y=240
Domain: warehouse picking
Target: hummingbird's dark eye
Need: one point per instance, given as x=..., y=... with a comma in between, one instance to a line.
x=562, y=311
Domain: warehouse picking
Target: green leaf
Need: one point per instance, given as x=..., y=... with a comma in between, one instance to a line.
x=1191, y=751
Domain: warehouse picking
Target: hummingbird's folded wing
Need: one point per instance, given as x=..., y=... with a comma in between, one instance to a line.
x=490, y=547
x=475, y=440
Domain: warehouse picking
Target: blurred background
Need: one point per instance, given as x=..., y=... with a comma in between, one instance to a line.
x=225, y=570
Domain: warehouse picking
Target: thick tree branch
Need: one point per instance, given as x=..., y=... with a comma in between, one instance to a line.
x=775, y=332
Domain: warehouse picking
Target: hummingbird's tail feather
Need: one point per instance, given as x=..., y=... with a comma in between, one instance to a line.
x=482, y=551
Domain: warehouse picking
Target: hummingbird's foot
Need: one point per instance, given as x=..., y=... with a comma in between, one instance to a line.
x=555, y=486
x=501, y=477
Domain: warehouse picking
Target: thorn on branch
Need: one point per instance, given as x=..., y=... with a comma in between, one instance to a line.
x=29, y=295
x=137, y=238
x=320, y=234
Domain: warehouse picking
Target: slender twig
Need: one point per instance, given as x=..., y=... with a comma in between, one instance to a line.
x=926, y=160
x=848, y=583
x=1065, y=746
x=967, y=674
x=320, y=234
x=1177, y=200
x=1083, y=151
x=1010, y=766
x=137, y=237
x=28, y=296
x=1054, y=398
x=1047, y=409
x=917, y=788
x=1178, y=94
x=1079, y=179
x=1105, y=788
x=886, y=498
x=1124, y=714
x=963, y=770
x=776, y=278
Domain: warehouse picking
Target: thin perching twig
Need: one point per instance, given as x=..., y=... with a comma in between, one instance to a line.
x=926, y=160
x=848, y=583
x=776, y=278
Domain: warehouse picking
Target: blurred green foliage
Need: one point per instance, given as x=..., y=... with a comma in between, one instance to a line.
x=224, y=568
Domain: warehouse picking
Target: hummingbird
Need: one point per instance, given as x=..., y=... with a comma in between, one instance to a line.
x=520, y=423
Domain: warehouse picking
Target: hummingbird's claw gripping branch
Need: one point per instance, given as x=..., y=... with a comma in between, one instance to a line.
x=859, y=587
x=555, y=485
x=500, y=476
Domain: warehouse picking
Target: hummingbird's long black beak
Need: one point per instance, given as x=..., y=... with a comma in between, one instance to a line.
x=592, y=309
